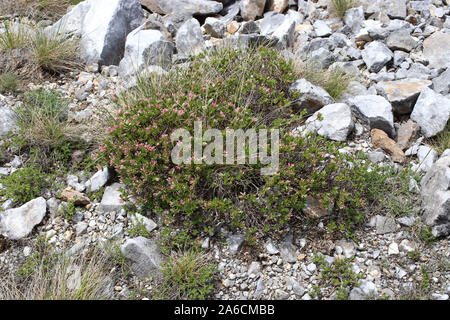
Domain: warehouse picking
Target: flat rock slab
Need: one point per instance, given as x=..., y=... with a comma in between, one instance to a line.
x=18, y=223
x=374, y=110
x=402, y=94
x=191, y=7
x=436, y=49
x=112, y=200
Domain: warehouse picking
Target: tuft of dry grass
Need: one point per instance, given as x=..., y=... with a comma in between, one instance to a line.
x=341, y=6
x=441, y=141
x=60, y=277
x=36, y=9
x=14, y=36
x=334, y=80
x=55, y=52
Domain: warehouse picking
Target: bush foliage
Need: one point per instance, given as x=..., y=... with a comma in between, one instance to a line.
x=230, y=89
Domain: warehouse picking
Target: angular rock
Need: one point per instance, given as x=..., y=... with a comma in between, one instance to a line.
x=78, y=198
x=402, y=94
x=393, y=8
x=436, y=197
x=376, y=55
x=279, y=26
x=366, y=290
x=401, y=40
x=145, y=257
x=334, y=121
x=385, y=224
x=215, y=27
x=138, y=219
x=441, y=84
x=189, y=39
x=18, y=223
x=98, y=180
x=111, y=200
x=426, y=156
x=314, y=208
x=406, y=134
x=277, y=5
x=144, y=48
x=436, y=49
x=105, y=28
x=311, y=97
x=250, y=9
x=431, y=112
x=353, y=18
x=288, y=251
x=235, y=242
x=374, y=110
x=7, y=122
x=381, y=140
x=190, y=7
x=321, y=28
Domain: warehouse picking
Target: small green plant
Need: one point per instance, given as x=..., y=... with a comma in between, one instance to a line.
x=8, y=82
x=187, y=275
x=68, y=210
x=23, y=185
x=41, y=256
x=426, y=235
x=414, y=255
x=425, y=283
x=138, y=229
x=341, y=6
x=340, y=274
x=14, y=36
x=441, y=141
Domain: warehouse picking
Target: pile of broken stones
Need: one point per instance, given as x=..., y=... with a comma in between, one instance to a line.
x=399, y=52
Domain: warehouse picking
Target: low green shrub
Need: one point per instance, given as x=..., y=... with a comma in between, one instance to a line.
x=231, y=89
x=23, y=185
x=8, y=82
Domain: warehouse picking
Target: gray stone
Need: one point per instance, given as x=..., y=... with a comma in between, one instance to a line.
x=251, y=9
x=279, y=26
x=436, y=49
x=376, y=156
x=436, y=197
x=321, y=28
x=431, y=112
x=385, y=224
x=333, y=121
x=145, y=257
x=366, y=290
x=190, y=7
x=402, y=94
x=215, y=27
x=353, y=18
x=311, y=97
x=250, y=27
x=7, y=122
x=105, y=27
x=441, y=84
x=374, y=110
x=426, y=156
x=376, y=55
x=407, y=221
x=18, y=223
x=288, y=251
x=235, y=243
x=138, y=219
x=401, y=40
x=393, y=8
x=189, y=39
x=144, y=48
x=111, y=200
x=98, y=180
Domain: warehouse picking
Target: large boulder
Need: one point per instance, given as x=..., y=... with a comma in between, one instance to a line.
x=191, y=7
x=103, y=26
x=402, y=94
x=431, y=112
x=312, y=97
x=436, y=197
x=144, y=48
x=333, y=121
x=374, y=110
x=7, y=122
x=436, y=49
x=145, y=257
x=189, y=39
x=18, y=223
